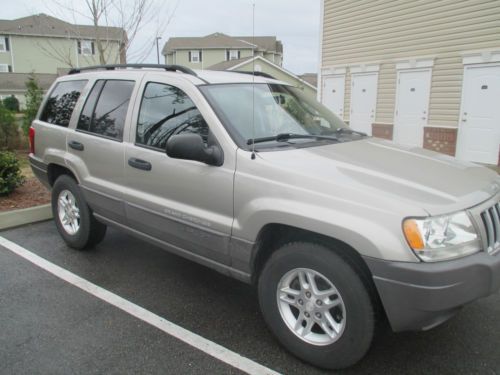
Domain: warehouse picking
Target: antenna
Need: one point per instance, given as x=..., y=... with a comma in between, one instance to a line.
x=253, y=82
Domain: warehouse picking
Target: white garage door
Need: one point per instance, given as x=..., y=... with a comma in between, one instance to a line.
x=412, y=105
x=363, y=101
x=479, y=130
x=333, y=94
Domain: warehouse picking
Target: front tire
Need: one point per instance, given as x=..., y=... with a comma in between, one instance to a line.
x=317, y=305
x=73, y=217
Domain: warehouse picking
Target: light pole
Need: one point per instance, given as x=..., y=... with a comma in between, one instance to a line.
x=158, y=49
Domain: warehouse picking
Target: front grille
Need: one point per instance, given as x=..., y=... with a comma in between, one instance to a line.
x=491, y=222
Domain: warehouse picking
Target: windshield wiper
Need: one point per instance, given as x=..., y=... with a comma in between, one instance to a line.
x=286, y=136
x=350, y=131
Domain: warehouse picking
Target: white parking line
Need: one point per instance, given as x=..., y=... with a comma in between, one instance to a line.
x=211, y=348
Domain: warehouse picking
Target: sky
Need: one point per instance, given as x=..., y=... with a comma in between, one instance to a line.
x=294, y=22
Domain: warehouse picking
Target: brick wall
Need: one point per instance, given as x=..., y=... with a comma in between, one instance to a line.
x=442, y=140
x=383, y=131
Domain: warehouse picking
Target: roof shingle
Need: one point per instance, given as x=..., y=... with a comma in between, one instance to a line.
x=224, y=65
x=44, y=25
x=220, y=40
x=17, y=81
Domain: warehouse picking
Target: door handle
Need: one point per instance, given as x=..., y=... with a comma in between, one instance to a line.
x=76, y=145
x=140, y=164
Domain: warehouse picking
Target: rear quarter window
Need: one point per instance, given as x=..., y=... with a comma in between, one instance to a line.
x=61, y=102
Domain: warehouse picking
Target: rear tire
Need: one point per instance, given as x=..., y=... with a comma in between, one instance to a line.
x=73, y=217
x=298, y=286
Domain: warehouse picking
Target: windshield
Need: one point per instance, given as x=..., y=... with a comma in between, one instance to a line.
x=277, y=110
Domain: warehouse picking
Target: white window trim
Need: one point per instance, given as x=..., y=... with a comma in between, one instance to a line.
x=231, y=52
x=6, y=68
x=194, y=52
x=4, y=48
x=364, y=68
x=415, y=63
x=334, y=70
x=481, y=57
x=89, y=47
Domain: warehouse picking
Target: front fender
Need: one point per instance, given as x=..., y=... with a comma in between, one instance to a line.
x=381, y=238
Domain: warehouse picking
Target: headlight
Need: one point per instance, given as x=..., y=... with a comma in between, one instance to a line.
x=441, y=237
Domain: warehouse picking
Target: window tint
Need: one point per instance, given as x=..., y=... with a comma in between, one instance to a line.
x=107, y=117
x=165, y=111
x=88, y=108
x=61, y=102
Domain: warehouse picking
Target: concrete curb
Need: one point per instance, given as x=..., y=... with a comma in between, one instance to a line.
x=15, y=218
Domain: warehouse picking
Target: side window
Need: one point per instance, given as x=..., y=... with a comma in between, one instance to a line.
x=88, y=108
x=61, y=102
x=106, y=107
x=165, y=111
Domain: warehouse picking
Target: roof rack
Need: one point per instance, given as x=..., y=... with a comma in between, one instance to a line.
x=169, y=68
x=257, y=74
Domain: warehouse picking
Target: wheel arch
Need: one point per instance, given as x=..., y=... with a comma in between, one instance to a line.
x=55, y=170
x=274, y=235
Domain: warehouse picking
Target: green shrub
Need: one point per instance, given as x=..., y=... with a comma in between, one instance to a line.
x=34, y=96
x=10, y=173
x=11, y=103
x=9, y=134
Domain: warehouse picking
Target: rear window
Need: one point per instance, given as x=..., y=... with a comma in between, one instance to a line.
x=106, y=107
x=61, y=102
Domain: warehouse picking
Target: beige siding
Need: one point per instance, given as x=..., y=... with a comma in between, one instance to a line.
x=385, y=31
x=46, y=55
x=347, y=97
x=386, y=93
x=210, y=57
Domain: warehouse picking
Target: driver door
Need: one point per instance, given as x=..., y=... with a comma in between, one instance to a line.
x=187, y=205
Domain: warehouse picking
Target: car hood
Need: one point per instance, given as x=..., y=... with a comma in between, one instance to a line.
x=434, y=182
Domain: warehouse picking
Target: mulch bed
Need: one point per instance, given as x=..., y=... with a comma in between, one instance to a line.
x=31, y=193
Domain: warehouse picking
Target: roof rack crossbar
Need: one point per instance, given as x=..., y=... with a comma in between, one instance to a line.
x=169, y=68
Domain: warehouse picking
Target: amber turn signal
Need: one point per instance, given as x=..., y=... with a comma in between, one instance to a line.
x=412, y=234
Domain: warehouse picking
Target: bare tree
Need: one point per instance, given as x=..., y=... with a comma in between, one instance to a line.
x=113, y=21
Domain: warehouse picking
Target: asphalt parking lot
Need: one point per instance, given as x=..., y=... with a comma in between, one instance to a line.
x=50, y=326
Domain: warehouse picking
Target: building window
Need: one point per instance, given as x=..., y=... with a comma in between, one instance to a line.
x=233, y=54
x=4, y=43
x=86, y=47
x=195, y=56
x=4, y=68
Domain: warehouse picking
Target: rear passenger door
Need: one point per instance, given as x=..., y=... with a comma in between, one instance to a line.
x=95, y=147
x=184, y=203
x=53, y=125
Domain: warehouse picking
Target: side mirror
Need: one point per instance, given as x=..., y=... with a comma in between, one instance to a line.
x=191, y=147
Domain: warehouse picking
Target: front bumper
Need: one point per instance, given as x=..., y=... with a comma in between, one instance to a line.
x=420, y=296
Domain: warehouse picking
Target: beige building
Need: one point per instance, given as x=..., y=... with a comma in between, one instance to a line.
x=422, y=73
x=219, y=51
x=47, y=47
x=203, y=52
